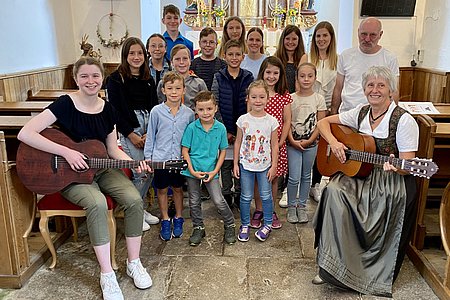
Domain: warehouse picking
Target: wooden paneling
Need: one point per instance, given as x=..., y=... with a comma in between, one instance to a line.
x=421, y=84
x=14, y=87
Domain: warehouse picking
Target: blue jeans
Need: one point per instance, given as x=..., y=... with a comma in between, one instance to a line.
x=143, y=180
x=300, y=164
x=195, y=201
x=265, y=192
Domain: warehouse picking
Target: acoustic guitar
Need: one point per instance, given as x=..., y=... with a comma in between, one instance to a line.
x=361, y=156
x=46, y=173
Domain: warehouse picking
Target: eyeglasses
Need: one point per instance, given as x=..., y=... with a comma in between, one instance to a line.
x=208, y=43
x=152, y=46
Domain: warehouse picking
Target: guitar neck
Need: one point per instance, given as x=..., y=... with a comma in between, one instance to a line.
x=99, y=163
x=376, y=159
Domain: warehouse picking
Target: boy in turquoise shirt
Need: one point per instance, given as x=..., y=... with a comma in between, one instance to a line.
x=203, y=146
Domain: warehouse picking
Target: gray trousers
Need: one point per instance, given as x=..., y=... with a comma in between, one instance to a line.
x=91, y=197
x=195, y=202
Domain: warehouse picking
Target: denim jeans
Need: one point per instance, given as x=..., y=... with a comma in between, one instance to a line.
x=226, y=174
x=300, y=165
x=195, y=202
x=265, y=192
x=143, y=180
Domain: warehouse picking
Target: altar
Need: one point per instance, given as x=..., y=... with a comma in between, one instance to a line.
x=270, y=15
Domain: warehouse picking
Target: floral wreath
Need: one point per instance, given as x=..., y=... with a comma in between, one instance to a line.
x=110, y=42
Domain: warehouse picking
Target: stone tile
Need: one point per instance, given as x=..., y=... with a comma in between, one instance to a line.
x=409, y=285
x=281, y=242
x=288, y=278
x=209, y=278
x=280, y=268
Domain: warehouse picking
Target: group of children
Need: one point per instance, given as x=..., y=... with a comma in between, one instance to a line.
x=245, y=118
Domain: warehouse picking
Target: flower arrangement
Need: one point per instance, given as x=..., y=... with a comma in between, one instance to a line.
x=292, y=12
x=279, y=11
x=204, y=12
x=218, y=11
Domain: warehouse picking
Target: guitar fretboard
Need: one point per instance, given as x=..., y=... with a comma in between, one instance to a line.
x=376, y=159
x=99, y=163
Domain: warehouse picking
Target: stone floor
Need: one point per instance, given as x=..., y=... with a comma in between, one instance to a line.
x=280, y=268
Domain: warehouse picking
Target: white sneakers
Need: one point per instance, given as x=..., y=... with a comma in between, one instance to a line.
x=110, y=287
x=315, y=192
x=150, y=219
x=283, y=203
x=141, y=278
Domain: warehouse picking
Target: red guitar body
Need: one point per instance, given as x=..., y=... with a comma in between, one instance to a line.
x=38, y=170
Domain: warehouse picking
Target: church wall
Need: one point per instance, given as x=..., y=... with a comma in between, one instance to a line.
x=35, y=34
x=400, y=35
x=87, y=14
x=436, y=35
x=46, y=33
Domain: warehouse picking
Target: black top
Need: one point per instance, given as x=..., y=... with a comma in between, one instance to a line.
x=205, y=69
x=80, y=126
x=290, y=77
x=129, y=95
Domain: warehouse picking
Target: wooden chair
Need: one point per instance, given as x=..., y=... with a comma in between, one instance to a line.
x=444, y=222
x=56, y=205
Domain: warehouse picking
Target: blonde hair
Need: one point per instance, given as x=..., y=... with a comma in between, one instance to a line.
x=257, y=84
x=171, y=77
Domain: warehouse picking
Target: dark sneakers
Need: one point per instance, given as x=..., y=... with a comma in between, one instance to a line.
x=166, y=230
x=229, y=235
x=177, y=227
x=197, y=235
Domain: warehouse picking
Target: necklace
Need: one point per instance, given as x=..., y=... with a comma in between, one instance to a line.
x=372, y=119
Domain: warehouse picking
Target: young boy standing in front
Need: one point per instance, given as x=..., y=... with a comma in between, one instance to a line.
x=206, y=65
x=166, y=126
x=203, y=146
x=230, y=88
x=172, y=20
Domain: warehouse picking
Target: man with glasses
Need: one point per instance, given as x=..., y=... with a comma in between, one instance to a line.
x=353, y=62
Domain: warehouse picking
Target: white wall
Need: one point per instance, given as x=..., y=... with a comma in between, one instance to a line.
x=151, y=16
x=436, y=35
x=88, y=13
x=30, y=32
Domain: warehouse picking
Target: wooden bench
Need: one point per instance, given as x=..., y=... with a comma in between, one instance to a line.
x=434, y=143
x=53, y=94
x=444, y=218
x=23, y=108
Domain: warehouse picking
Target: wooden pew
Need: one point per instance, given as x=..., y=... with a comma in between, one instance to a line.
x=444, y=217
x=21, y=252
x=22, y=108
x=434, y=142
x=53, y=94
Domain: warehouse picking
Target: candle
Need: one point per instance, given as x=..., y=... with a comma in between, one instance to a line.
x=276, y=4
x=221, y=3
x=287, y=6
